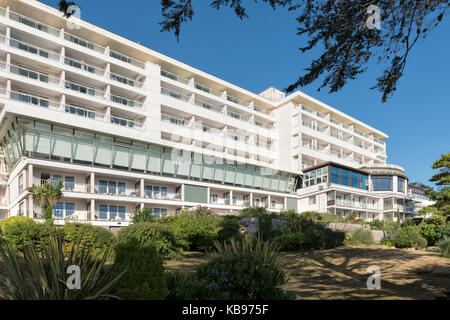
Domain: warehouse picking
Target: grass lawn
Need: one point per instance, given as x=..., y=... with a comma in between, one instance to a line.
x=341, y=273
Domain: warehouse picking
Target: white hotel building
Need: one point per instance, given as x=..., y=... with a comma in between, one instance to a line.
x=128, y=128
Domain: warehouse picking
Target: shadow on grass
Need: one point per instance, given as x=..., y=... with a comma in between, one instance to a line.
x=341, y=273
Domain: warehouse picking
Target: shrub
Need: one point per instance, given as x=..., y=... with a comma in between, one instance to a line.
x=302, y=234
x=42, y=275
x=421, y=243
x=142, y=271
x=376, y=225
x=228, y=228
x=444, y=245
x=12, y=220
x=245, y=270
x=87, y=235
x=143, y=216
x=362, y=236
x=434, y=228
x=311, y=215
x=407, y=237
x=23, y=232
x=197, y=230
x=187, y=286
x=330, y=217
x=387, y=242
x=155, y=234
x=434, y=249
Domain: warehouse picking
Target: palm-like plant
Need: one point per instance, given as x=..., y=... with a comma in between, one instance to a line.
x=42, y=275
x=47, y=196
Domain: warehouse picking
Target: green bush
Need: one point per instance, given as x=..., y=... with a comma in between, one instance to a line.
x=444, y=245
x=187, y=286
x=245, y=270
x=434, y=249
x=434, y=229
x=42, y=274
x=362, y=236
x=143, y=216
x=197, y=230
x=23, y=232
x=407, y=237
x=376, y=225
x=142, y=271
x=12, y=220
x=155, y=234
x=387, y=242
x=330, y=217
x=309, y=236
x=228, y=228
x=421, y=243
x=311, y=215
x=87, y=235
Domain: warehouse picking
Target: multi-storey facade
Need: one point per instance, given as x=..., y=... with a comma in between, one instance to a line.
x=128, y=128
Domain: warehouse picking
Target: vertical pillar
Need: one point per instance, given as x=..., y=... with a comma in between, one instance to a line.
x=142, y=188
x=92, y=182
x=251, y=200
x=208, y=194
x=30, y=176
x=231, y=198
x=91, y=214
x=30, y=213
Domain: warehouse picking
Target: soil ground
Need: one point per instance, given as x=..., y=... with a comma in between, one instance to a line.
x=341, y=273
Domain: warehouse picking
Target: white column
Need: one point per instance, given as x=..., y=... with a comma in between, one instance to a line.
x=142, y=188
x=30, y=176
x=92, y=182
x=91, y=214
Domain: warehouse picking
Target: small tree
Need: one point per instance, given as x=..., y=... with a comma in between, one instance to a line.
x=144, y=215
x=48, y=195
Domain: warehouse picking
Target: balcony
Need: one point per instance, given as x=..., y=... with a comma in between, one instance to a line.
x=75, y=110
x=217, y=94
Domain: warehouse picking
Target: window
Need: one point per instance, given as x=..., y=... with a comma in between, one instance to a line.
x=70, y=209
x=157, y=212
x=111, y=212
x=401, y=185
x=345, y=177
x=214, y=198
x=330, y=195
x=69, y=183
x=80, y=112
x=58, y=210
x=22, y=209
x=312, y=200
x=335, y=173
x=21, y=183
x=363, y=178
x=355, y=179
x=382, y=183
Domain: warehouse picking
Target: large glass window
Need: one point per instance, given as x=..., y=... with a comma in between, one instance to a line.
x=345, y=177
x=335, y=175
x=363, y=184
x=382, y=183
x=355, y=179
x=401, y=185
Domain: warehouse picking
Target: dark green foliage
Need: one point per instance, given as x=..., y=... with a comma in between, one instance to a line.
x=407, y=237
x=87, y=235
x=376, y=225
x=143, y=216
x=187, y=286
x=43, y=274
x=301, y=234
x=24, y=232
x=444, y=245
x=247, y=269
x=330, y=217
x=228, y=228
x=197, y=230
x=311, y=215
x=162, y=237
x=344, y=34
x=434, y=229
x=143, y=271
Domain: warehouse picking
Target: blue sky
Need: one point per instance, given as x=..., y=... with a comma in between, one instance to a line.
x=263, y=51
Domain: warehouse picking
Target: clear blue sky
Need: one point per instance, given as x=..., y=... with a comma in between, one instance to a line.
x=263, y=51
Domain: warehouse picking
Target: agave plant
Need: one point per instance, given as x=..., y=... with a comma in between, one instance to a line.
x=43, y=275
x=265, y=252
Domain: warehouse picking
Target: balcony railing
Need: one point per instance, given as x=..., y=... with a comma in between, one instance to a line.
x=33, y=49
x=84, y=66
x=33, y=23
